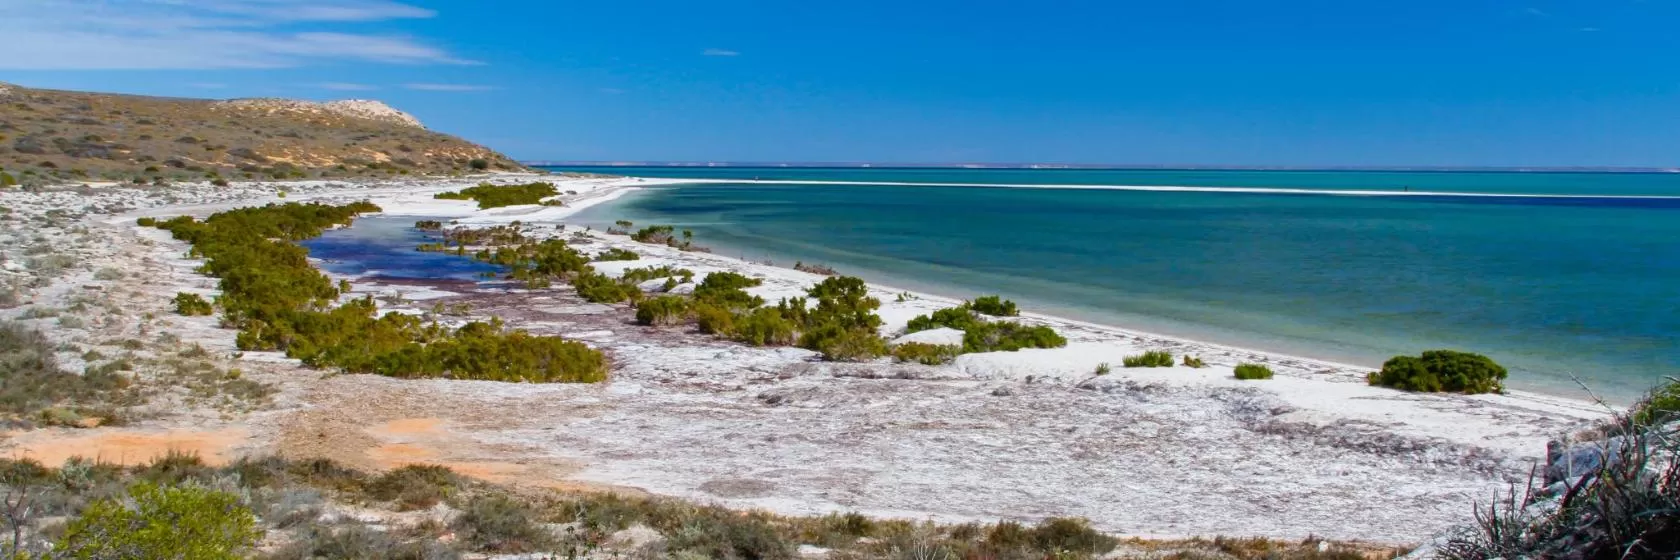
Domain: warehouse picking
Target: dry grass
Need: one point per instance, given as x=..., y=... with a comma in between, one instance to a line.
x=55, y=136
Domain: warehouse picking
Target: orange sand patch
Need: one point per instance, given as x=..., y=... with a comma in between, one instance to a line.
x=407, y=426
x=127, y=447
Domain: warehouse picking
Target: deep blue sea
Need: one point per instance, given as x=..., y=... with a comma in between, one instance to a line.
x=1551, y=287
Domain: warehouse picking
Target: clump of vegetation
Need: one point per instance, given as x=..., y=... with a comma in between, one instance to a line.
x=1248, y=372
x=616, y=254
x=496, y=196
x=1441, y=371
x=279, y=302
x=662, y=311
x=995, y=306
x=927, y=354
x=639, y=275
x=1194, y=362
x=1103, y=369
x=1151, y=359
x=192, y=305
x=981, y=335
x=666, y=235
x=599, y=288
x=33, y=389
x=163, y=522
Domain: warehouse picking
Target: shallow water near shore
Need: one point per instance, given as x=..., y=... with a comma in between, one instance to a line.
x=1552, y=288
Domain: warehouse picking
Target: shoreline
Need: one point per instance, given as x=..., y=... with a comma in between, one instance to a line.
x=1187, y=333
x=1020, y=435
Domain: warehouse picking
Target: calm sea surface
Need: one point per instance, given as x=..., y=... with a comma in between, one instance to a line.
x=1551, y=287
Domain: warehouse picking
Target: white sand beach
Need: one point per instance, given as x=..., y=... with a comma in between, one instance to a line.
x=1022, y=435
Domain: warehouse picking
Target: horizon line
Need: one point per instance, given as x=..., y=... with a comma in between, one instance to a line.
x=1096, y=166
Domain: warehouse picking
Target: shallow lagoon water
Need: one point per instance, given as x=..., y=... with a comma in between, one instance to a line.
x=1553, y=288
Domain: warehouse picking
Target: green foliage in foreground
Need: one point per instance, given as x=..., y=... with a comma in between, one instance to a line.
x=1659, y=406
x=1248, y=372
x=1149, y=359
x=192, y=305
x=1441, y=371
x=177, y=507
x=7, y=180
x=163, y=522
x=279, y=302
x=497, y=196
x=927, y=354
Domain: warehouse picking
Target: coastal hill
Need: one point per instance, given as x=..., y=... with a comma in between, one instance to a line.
x=51, y=136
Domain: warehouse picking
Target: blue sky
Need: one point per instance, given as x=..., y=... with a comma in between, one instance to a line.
x=1320, y=82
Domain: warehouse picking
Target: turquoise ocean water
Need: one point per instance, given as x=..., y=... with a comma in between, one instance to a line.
x=1552, y=287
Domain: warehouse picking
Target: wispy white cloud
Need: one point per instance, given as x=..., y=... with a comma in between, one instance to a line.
x=448, y=87
x=1590, y=30
x=205, y=34
x=343, y=86
x=1536, y=12
x=719, y=52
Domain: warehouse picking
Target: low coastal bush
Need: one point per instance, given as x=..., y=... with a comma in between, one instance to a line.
x=496, y=196
x=839, y=343
x=1006, y=336
x=1248, y=372
x=765, y=326
x=1658, y=407
x=662, y=311
x=192, y=305
x=960, y=318
x=34, y=389
x=1441, y=371
x=639, y=275
x=711, y=319
x=616, y=254
x=1154, y=358
x=995, y=306
x=980, y=335
x=598, y=288
x=278, y=301
x=163, y=522
x=1194, y=362
x=727, y=290
x=924, y=353
x=1104, y=369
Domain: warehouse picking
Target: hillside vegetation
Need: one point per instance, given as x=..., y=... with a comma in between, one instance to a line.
x=50, y=136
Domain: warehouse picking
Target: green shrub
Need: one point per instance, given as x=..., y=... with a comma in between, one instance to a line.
x=599, y=288
x=960, y=317
x=478, y=164
x=1659, y=406
x=616, y=254
x=280, y=302
x=496, y=196
x=726, y=290
x=1154, y=358
x=1441, y=371
x=1253, y=371
x=7, y=180
x=1104, y=369
x=163, y=522
x=146, y=222
x=924, y=353
x=639, y=275
x=1006, y=336
x=1194, y=362
x=655, y=234
x=192, y=305
x=765, y=326
x=712, y=319
x=995, y=306
x=662, y=311
x=839, y=343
